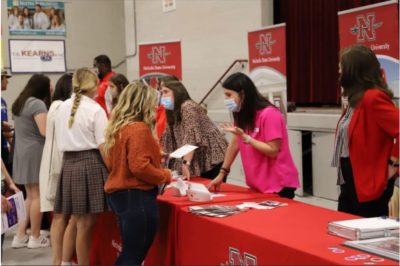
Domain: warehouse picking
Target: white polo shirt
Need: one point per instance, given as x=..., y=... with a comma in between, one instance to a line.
x=87, y=131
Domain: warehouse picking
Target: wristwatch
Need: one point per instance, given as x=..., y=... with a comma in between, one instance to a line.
x=393, y=163
x=186, y=162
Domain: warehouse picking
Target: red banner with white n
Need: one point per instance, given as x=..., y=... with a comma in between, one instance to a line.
x=376, y=26
x=160, y=59
x=267, y=62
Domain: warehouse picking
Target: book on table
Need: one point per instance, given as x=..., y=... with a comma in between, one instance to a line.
x=387, y=247
x=365, y=228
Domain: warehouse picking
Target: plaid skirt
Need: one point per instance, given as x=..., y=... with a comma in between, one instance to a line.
x=81, y=186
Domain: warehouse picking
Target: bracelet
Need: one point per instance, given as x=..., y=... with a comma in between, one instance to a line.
x=226, y=171
x=393, y=163
x=247, y=139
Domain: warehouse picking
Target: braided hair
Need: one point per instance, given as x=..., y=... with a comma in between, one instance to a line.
x=83, y=81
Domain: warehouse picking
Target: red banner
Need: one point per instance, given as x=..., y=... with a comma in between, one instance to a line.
x=160, y=59
x=267, y=48
x=376, y=26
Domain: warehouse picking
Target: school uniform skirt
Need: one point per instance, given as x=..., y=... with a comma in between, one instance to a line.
x=81, y=186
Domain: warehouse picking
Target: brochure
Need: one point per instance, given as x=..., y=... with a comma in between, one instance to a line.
x=387, y=247
x=218, y=211
x=182, y=151
x=17, y=213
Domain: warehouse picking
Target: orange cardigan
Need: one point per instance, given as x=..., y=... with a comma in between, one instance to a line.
x=373, y=138
x=135, y=160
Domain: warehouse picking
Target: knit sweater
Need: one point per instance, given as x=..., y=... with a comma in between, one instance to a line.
x=134, y=161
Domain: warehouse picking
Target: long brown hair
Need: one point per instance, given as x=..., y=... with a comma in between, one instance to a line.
x=181, y=95
x=38, y=86
x=360, y=71
x=120, y=81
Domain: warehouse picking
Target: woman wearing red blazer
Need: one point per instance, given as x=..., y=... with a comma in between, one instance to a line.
x=367, y=147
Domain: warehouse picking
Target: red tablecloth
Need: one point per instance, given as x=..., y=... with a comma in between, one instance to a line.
x=291, y=235
x=106, y=241
x=163, y=251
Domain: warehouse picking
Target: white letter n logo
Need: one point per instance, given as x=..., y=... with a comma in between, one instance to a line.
x=264, y=44
x=365, y=28
x=158, y=55
x=235, y=258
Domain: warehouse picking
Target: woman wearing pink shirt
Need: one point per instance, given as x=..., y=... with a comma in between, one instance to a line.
x=261, y=136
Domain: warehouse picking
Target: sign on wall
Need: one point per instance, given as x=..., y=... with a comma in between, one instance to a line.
x=31, y=56
x=168, y=5
x=376, y=26
x=160, y=59
x=27, y=17
x=267, y=62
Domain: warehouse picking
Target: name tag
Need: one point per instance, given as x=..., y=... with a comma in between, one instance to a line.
x=256, y=130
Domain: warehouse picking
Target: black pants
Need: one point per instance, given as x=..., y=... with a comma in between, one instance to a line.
x=287, y=192
x=213, y=173
x=138, y=219
x=348, y=201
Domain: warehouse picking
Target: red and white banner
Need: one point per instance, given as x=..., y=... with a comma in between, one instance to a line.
x=267, y=48
x=159, y=59
x=376, y=26
x=267, y=62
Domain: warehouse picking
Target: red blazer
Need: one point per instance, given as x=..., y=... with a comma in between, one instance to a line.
x=373, y=138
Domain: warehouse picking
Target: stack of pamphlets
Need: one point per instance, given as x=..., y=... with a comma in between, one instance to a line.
x=387, y=247
x=215, y=210
x=365, y=228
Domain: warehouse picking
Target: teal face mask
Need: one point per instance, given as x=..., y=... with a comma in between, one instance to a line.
x=167, y=102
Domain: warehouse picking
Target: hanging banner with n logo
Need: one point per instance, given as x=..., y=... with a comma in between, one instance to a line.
x=267, y=48
x=376, y=26
x=159, y=59
x=267, y=62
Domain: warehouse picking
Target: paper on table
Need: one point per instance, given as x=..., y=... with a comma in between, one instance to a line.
x=182, y=151
x=179, y=188
x=16, y=214
x=215, y=195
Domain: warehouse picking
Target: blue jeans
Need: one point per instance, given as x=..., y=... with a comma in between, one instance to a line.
x=138, y=219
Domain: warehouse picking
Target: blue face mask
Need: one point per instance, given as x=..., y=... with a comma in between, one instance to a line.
x=231, y=105
x=167, y=102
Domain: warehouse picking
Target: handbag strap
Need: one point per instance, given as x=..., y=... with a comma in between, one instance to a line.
x=52, y=142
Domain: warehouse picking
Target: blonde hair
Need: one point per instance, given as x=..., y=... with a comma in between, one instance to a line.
x=83, y=81
x=137, y=103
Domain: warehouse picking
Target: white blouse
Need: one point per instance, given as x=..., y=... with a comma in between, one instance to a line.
x=87, y=131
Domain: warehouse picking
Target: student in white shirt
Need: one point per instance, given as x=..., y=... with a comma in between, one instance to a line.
x=80, y=125
x=13, y=17
x=20, y=23
x=40, y=19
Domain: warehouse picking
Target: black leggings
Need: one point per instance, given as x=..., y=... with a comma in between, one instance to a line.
x=348, y=201
x=213, y=173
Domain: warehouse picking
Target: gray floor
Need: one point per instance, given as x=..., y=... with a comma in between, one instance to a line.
x=42, y=256
x=23, y=256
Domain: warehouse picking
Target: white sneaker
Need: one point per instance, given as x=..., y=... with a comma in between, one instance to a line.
x=42, y=232
x=40, y=242
x=19, y=243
